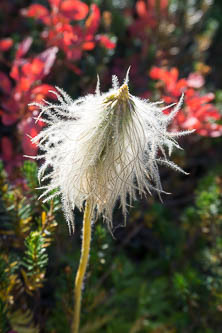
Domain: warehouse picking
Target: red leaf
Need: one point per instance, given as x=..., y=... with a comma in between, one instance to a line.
x=24, y=84
x=36, y=11
x=157, y=73
x=190, y=93
x=92, y=23
x=106, y=42
x=208, y=111
x=74, y=9
x=206, y=98
x=5, y=44
x=14, y=72
x=181, y=85
x=43, y=89
x=6, y=148
x=33, y=69
x=24, y=71
x=174, y=74
x=9, y=119
x=141, y=8
x=168, y=99
x=23, y=47
x=164, y=5
x=5, y=83
x=54, y=3
x=29, y=126
x=74, y=54
x=40, y=92
x=87, y=46
x=10, y=114
x=198, y=112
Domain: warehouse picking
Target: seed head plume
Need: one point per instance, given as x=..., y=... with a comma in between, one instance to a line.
x=103, y=148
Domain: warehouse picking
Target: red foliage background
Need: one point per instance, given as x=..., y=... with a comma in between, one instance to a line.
x=71, y=42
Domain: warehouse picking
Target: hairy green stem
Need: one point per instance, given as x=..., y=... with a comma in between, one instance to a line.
x=82, y=267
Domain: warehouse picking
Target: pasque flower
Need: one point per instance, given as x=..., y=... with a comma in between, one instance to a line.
x=103, y=148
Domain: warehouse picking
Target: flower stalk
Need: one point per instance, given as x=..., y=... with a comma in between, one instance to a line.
x=82, y=267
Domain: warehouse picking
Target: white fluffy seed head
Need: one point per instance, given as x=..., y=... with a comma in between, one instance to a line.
x=104, y=147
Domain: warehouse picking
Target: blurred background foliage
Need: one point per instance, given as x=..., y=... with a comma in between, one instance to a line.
x=161, y=273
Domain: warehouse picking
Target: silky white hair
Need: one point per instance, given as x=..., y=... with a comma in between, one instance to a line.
x=103, y=147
